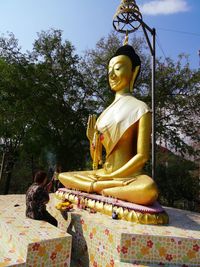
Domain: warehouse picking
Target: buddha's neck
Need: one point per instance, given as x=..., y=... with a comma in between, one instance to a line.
x=121, y=93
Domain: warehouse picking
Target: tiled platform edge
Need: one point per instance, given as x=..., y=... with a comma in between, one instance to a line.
x=100, y=241
x=26, y=242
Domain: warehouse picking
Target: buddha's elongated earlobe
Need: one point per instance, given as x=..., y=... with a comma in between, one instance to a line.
x=135, y=73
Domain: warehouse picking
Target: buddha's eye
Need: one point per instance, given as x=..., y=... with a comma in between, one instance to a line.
x=118, y=67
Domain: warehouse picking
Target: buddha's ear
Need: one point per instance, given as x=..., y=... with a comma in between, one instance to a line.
x=135, y=73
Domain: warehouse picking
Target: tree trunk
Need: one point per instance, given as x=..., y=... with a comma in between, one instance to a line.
x=2, y=165
x=8, y=178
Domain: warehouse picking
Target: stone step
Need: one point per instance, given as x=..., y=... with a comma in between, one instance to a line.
x=37, y=243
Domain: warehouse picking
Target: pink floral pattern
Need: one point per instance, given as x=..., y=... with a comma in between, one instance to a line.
x=35, y=246
x=196, y=248
x=169, y=257
x=149, y=244
x=53, y=256
x=118, y=249
x=106, y=231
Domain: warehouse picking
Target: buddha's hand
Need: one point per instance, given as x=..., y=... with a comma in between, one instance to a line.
x=100, y=175
x=91, y=127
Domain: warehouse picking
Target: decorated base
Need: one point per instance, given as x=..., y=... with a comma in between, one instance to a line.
x=100, y=241
x=154, y=214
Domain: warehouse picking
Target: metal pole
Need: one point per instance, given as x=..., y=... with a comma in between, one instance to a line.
x=153, y=103
x=199, y=57
x=152, y=47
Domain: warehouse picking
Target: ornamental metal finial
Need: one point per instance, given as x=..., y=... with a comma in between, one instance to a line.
x=124, y=21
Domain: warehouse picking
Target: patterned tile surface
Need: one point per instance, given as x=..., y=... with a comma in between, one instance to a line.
x=100, y=241
x=36, y=242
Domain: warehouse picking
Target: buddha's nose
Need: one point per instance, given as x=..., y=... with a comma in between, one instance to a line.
x=112, y=74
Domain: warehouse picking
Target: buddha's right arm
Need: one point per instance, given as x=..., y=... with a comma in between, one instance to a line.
x=91, y=150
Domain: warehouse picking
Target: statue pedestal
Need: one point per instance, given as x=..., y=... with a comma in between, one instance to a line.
x=120, y=209
x=98, y=240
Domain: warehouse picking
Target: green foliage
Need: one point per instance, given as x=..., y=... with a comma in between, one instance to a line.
x=59, y=98
x=43, y=102
x=177, y=105
x=176, y=179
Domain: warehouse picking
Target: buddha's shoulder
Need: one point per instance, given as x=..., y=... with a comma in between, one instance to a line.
x=137, y=103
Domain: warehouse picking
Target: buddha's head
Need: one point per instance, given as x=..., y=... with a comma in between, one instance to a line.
x=123, y=69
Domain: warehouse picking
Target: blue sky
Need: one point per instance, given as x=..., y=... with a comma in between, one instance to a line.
x=84, y=22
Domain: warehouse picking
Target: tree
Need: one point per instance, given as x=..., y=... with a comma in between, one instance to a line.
x=177, y=108
x=177, y=180
x=59, y=99
x=43, y=102
x=14, y=122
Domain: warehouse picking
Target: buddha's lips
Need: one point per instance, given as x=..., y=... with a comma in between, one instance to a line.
x=114, y=83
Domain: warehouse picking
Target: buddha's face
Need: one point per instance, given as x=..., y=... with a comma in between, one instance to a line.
x=120, y=73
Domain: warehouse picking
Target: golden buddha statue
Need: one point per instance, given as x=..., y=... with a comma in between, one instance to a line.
x=124, y=130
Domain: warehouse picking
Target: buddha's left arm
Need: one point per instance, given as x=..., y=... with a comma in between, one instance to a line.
x=143, y=146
